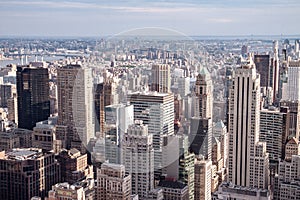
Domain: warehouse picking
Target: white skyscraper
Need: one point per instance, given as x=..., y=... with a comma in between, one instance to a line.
x=157, y=111
x=118, y=117
x=248, y=160
x=291, y=89
x=138, y=158
x=76, y=105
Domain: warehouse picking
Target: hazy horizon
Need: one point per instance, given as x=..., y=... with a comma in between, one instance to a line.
x=77, y=18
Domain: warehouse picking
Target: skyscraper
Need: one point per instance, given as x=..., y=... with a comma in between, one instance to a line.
x=291, y=90
x=118, y=117
x=262, y=63
x=157, y=111
x=204, y=92
x=32, y=96
x=26, y=173
x=75, y=104
x=248, y=160
x=201, y=137
x=202, y=179
x=161, y=78
x=274, y=130
x=113, y=182
x=138, y=158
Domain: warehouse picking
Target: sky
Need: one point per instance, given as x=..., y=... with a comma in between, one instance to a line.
x=193, y=17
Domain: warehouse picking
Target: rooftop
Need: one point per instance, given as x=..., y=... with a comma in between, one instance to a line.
x=22, y=154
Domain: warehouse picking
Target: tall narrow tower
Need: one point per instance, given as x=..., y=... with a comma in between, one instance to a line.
x=161, y=78
x=204, y=92
x=138, y=158
x=75, y=104
x=33, y=96
x=248, y=160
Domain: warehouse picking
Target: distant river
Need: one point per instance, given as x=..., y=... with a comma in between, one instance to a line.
x=3, y=63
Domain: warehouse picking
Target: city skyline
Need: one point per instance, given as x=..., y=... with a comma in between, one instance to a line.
x=100, y=18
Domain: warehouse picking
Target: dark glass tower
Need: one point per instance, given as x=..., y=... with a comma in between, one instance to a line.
x=32, y=95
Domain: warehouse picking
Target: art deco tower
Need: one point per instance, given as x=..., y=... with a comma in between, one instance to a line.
x=204, y=92
x=248, y=160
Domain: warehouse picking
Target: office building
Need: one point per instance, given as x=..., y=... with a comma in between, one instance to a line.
x=204, y=92
x=291, y=90
x=262, y=63
x=202, y=188
x=155, y=194
x=161, y=78
x=248, y=159
x=183, y=86
x=105, y=95
x=201, y=137
x=118, y=118
x=44, y=136
x=78, y=191
x=74, y=166
x=274, y=72
x=294, y=117
x=157, y=111
x=186, y=164
x=287, y=184
x=174, y=190
x=33, y=174
x=230, y=191
x=138, y=158
x=32, y=96
x=113, y=182
x=76, y=105
x=292, y=147
x=220, y=132
x=16, y=138
x=274, y=130
x=5, y=94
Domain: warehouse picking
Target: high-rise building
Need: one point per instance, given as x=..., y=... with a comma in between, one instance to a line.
x=183, y=86
x=81, y=190
x=201, y=137
x=32, y=96
x=274, y=72
x=5, y=94
x=274, y=129
x=248, y=160
x=292, y=147
x=202, y=179
x=118, y=117
x=76, y=105
x=287, y=184
x=291, y=90
x=74, y=166
x=186, y=164
x=220, y=132
x=104, y=96
x=44, y=136
x=262, y=63
x=157, y=111
x=294, y=117
x=113, y=182
x=204, y=92
x=33, y=173
x=138, y=158
x=161, y=78
x=174, y=190
x=226, y=190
